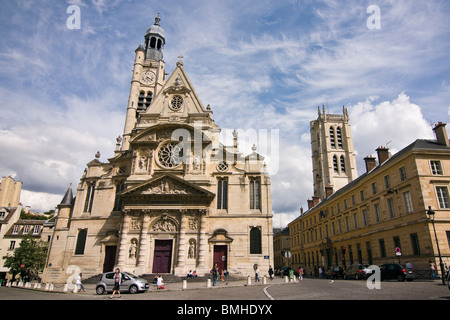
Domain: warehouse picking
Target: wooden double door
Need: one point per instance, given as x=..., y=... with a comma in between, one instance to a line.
x=162, y=258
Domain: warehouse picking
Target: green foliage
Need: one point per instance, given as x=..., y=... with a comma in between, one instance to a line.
x=29, y=259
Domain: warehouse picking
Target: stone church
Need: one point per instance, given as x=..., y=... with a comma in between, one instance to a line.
x=173, y=198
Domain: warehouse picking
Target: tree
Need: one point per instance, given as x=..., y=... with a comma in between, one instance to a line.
x=28, y=260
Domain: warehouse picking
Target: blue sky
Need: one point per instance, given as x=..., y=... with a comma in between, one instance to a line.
x=63, y=92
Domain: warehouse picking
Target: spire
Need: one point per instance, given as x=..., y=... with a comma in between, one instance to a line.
x=155, y=40
x=68, y=197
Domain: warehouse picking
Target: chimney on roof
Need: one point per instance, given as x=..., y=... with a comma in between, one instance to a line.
x=371, y=163
x=383, y=154
x=441, y=134
x=328, y=191
x=316, y=201
x=310, y=204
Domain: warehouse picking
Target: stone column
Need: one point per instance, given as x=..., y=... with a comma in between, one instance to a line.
x=182, y=246
x=143, y=254
x=124, y=241
x=203, y=246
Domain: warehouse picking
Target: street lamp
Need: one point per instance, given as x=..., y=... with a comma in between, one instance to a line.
x=430, y=214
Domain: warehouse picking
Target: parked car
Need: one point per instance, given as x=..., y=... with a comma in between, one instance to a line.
x=357, y=271
x=396, y=271
x=130, y=283
x=334, y=272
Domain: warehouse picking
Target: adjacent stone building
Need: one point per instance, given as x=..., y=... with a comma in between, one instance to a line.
x=173, y=198
x=381, y=216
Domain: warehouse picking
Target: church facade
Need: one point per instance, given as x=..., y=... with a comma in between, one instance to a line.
x=173, y=198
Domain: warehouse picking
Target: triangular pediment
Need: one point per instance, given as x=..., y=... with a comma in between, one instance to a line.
x=168, y=186
x=177, y=85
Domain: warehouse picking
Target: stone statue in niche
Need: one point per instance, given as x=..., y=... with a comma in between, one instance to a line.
x=133, y=248
x=191, y=250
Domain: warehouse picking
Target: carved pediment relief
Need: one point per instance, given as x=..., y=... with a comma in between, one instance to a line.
x=169, y=187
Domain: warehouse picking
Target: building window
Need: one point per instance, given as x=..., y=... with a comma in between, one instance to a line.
x=355, y=220
x=374, y=188
x=255, y=241
x=255, y=193
x=442, y=196
x=436, y=167
x=382, y=248
x=16, y=229
x=415, y=244
x=365, y=218
x=222, y=193
x=2, y=215
x=408, y=202
x=402, y=172
x=376, y=209
x=36, y=230
x=81, y=241
x=391, y=207
x=118, y=201
x=387, y=182
x=89, y=197
x=12, y=245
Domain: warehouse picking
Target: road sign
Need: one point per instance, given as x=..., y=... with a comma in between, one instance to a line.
x=287, y=254
x=398, y=251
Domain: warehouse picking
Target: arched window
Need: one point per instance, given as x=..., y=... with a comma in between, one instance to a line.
x=335, y=164
x=81, y=241
x=159, y=44
x=255, y=193
x=255, y=241
x=89, y=197
x=153, y=42
x=342, y=164
x=222, y=193
x=148, y=99
x=339, y=137
x=332, y=138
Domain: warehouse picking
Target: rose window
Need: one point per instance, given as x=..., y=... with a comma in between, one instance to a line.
x=222, y=166
x=176, y=103
x=170, y=155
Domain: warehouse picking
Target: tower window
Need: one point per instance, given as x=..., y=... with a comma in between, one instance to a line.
x=148, y=99
x=332, y=138
x=342, y=164
x=339, y=137
x=153, y=42
x=335, y=164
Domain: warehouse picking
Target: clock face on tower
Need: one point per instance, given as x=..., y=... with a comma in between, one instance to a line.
x=148, y=77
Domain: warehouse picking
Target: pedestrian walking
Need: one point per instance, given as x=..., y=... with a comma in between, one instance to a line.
x=160, y=283
x=117, y=282
x=433, y=270
x=256, y=273
x=300, y=273
x=320, y=273
x=78, y=282
x=215, y=274
x=270, y=272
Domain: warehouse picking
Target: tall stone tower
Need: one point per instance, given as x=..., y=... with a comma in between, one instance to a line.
x=333, y=154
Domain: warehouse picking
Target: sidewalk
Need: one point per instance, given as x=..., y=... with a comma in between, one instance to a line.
x=177, y=286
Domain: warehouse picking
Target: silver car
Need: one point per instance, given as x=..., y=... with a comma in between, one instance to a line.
x=130, y=283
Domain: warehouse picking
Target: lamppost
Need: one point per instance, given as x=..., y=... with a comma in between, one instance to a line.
x=430, y=214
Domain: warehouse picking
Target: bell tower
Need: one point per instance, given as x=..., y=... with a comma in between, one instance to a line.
x=333, y=154
x=147, y=78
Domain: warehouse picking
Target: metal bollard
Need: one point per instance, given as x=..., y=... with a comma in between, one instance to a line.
x=184, y=287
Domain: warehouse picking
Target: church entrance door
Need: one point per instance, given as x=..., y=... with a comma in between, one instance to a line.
x=162, y=259
x=110, y=258
x=220, y=256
